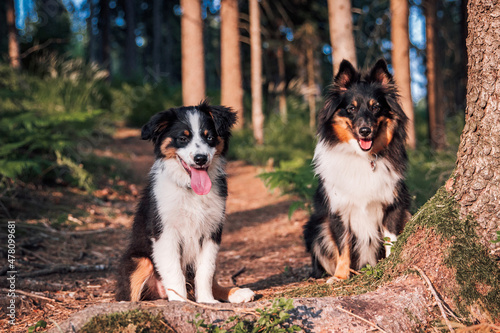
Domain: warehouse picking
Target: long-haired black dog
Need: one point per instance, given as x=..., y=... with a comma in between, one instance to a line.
x=178, y=225
x=360, y=160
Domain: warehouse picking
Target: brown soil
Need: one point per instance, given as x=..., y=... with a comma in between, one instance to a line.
x=259, y=242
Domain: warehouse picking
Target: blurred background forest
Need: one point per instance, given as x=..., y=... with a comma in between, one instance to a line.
x=73, y=71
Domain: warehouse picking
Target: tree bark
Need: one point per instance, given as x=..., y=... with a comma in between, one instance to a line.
x=281, y=86
x=436, y=114
x=13, y=44
x=193, y=60
x=477, y=176
x=311, y=88
x=256, y=72
x=231, y=76
x=130, y=46
x=401, y=62
x=157, y=34
x=341, y=35
x=104, y=29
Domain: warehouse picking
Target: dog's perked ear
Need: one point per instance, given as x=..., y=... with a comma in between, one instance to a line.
x=380, y=73
x=152, y=129
x=346, y=76
x=224, y=118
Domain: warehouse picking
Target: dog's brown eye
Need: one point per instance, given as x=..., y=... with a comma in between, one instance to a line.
x=376, y=107
x=351, y=108
x=183, y=139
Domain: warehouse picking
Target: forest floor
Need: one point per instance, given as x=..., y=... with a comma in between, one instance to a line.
x=61, y=271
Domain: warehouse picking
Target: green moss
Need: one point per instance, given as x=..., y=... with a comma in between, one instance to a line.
x=476, y=272
x=130, y=321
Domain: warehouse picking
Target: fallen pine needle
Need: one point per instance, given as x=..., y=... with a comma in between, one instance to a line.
x=354, y=271
x=361, y=318
x=436, y=297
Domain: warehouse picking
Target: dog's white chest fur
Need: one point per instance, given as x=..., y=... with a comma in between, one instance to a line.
x=356, y=192
x=186, y=216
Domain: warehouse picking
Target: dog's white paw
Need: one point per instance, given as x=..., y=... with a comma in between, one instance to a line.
x=207, y=300
x=333, y=280
x=242, y=295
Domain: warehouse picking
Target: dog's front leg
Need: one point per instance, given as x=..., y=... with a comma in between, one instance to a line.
x=205, y=270
x=167, y=260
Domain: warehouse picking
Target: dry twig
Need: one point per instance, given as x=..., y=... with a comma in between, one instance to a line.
x=63, y=269
x=354, y=271
x=208, y=307
x=361, y=318
x=436, y=297
x=25, y=293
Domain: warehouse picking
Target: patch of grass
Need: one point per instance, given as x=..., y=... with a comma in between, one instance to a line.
x=131, y=321
x=270, y=320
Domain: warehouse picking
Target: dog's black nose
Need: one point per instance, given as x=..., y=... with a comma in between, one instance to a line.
x=200, y=159
x=365, y=131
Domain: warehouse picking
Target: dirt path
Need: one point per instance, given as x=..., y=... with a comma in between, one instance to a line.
x=259, y=242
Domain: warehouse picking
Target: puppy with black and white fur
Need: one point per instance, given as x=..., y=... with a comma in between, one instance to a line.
x=178, y=225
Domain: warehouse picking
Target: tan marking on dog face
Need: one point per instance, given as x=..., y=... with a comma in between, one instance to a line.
x=220, y=146
x=142, y=272
x=385, y=133
x=186, y=133
x=342, y=128
x=372, y=102
x=168, y=152
x=205, y=132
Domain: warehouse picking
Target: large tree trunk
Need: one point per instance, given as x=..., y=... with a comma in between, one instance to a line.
x=256, y=72
x=104, y=29
x=477, y=176
x=341, y=36
x=401, y=62
x=193, y=60
x=231, y=76
x=157, y=34
x=281, y=85
x=436, y=113
x=130, y=46
x=13, y=44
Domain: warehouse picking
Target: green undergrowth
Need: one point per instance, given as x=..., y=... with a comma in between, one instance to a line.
x=134, y=321
x=476, y=271
x=270, y=320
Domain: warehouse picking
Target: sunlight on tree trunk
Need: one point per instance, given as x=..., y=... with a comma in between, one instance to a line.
x=193, y=61
x=256, y=72
x=13, y=44
x=401, y=62
x=436, y=114
x=231, y=76
x=341, y=36
x=281, y=87
x=476, y=179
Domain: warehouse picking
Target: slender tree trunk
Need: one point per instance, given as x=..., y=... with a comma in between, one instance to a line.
x=157, y=33
x=130, y=46
x=477, y=176
x=104, y=29
x=90, y=34
x=401, y=62
x=193, y=61
x=311, y=89
x=436, y=114
x=13, y=44
x=341, y=36
x=256, y=72
x=281, y=86
x=231, y=76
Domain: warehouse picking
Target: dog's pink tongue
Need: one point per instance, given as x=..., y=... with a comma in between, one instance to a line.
x=200, y=182
x=365, y=144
